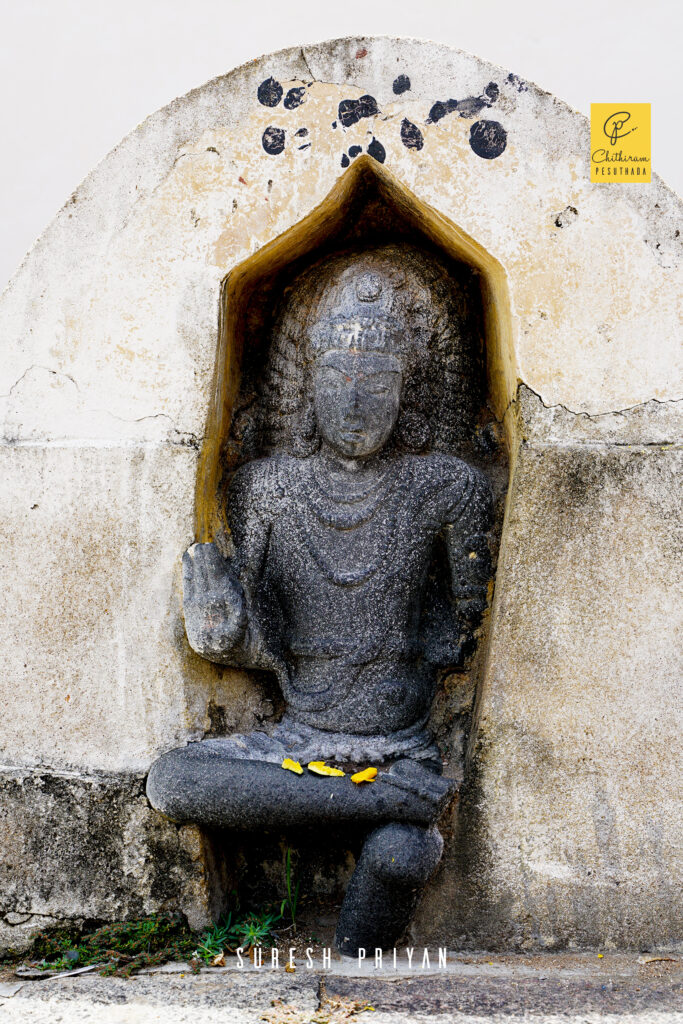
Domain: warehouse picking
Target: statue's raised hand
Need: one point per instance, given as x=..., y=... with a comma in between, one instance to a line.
x=213, y=602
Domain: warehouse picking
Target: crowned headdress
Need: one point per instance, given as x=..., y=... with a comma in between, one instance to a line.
x=393, y=298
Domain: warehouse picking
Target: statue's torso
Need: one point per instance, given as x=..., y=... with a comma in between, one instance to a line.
x=345, y=573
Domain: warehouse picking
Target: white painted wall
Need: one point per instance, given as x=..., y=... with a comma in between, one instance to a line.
x=77, y=75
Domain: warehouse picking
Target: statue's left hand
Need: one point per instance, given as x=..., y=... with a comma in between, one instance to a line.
x=213, y=602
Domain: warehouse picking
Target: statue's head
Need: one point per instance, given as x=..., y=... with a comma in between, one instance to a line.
x=356, y=399
x=361, y=339
x=357, y=355
x=369, y=348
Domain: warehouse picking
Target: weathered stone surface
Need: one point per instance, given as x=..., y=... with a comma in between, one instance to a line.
x=488, y=989
x=99, y=672
x=81, y=848
x=569, y=821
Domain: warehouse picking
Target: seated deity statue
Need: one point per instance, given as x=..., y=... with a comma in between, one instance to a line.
x=356, y=570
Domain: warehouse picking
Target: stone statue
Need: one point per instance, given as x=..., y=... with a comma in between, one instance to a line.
x=358, y=571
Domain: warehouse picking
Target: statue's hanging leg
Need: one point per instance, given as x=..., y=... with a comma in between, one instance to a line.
x=395, y=864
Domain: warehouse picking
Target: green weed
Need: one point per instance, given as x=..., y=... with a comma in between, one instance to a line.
x=235, y=930
x=120, y=948
x=291, y=899
x=129, y=946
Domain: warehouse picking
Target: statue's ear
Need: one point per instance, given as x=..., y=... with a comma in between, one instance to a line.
x=412, y=433
x=305, y=438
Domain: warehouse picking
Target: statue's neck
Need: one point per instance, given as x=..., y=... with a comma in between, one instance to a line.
x=359, y=469
x=345, y=480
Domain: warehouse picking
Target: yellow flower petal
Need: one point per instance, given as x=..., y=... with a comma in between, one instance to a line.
x=292, y=766
x=320, y=768
x=367, y=775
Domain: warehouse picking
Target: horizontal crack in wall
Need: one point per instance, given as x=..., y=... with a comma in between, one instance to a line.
x=182, y=438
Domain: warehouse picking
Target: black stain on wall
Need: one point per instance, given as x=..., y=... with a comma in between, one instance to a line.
x=488, y=139
x=353, y=152
x=273, y=140
x=567, y=215
x=440, y=109
x=269, y=92
x=468, y=107
x=301, y=132
x=294, y=98
x=351, y=111
x=377, y=151
x=519, y=83
x=411, y=136
x=401, y=84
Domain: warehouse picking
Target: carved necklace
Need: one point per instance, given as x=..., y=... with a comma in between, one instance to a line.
x=354, y=577
x=360, y=507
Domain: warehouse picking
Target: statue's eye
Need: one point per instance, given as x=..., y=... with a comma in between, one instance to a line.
x=332, y=378
x=380, y=384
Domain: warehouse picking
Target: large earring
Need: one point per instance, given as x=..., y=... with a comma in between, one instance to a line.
x=413, y=432
x=306, y=438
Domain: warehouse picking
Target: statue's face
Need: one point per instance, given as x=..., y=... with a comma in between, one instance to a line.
x=356, y=400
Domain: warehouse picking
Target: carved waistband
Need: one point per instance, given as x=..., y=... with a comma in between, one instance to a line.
x=305, y=743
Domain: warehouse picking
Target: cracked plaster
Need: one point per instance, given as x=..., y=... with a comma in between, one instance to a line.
x=648, y=423
x=122, y=290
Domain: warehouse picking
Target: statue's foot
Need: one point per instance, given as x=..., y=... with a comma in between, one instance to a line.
x=394, y=866
x=426, y=792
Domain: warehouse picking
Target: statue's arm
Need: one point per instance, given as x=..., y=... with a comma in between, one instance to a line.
x=218, y=591
x=467, y=541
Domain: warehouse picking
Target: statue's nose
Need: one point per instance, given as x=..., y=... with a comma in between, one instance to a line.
x=353, y=397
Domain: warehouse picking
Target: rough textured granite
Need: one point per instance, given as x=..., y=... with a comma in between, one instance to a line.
x=358, y=571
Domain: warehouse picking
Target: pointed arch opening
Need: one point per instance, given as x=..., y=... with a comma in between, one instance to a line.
x=367, y=204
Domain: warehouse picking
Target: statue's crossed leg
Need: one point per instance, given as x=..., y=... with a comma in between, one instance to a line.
x=202, y=785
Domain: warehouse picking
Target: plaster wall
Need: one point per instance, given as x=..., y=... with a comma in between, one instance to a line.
x=109, y=335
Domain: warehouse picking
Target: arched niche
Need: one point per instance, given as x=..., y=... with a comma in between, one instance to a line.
x=251, y=286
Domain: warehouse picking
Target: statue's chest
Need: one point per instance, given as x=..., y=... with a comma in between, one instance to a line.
x=363, y=540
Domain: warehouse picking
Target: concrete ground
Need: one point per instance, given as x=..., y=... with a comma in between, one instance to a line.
x=472, y=988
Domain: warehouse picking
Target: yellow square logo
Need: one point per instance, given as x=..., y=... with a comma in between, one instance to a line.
x=620, y=142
